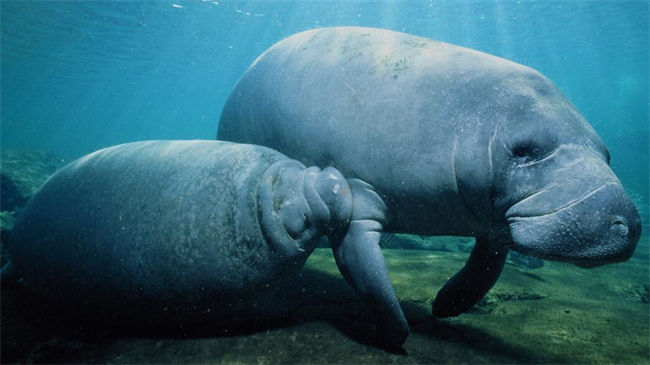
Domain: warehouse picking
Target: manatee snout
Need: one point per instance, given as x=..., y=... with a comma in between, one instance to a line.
x=599, y=228
x=616, y=224
x=571, y=207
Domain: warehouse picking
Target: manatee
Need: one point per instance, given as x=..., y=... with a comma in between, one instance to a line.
x=454, y=141
x=179, y=233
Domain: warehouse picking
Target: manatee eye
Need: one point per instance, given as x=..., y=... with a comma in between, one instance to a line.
x=527, y=151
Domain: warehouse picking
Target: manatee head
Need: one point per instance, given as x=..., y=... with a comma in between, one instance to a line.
x=553, y=191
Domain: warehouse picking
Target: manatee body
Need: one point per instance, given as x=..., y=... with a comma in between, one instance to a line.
x=455, y=141
x=184, y=232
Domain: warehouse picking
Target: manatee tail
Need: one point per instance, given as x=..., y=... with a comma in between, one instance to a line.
x=8, y=274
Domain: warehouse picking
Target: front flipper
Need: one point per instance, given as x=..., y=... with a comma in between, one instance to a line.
x=361, y=262
x=473, y=281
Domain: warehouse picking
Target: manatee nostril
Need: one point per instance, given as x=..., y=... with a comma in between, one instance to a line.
x=619, y=227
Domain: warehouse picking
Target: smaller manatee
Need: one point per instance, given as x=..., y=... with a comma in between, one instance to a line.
x=184, y=232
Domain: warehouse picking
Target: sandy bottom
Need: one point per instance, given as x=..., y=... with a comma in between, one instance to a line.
x=554, y=314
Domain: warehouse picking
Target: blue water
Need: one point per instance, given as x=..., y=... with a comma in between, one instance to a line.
x=77, y=76
x=81, y=75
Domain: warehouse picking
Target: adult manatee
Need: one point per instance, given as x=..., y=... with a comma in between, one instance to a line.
x=178, y=233
x=455, y=141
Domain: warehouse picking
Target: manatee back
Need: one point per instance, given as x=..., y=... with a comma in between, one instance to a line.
x=151, y=227
x=386, y=107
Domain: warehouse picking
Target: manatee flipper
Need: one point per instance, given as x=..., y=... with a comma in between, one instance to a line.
x=362, y=264
x=8, y=274
x=473, y=281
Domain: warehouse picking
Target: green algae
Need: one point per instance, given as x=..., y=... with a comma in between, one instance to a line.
x=28, y=169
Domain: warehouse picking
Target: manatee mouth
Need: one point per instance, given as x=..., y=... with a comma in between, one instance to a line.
x=537, y=204
x=599, y=227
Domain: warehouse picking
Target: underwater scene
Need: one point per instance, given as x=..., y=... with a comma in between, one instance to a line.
x=335, y=182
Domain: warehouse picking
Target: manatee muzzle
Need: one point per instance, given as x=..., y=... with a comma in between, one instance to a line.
x=599, y=227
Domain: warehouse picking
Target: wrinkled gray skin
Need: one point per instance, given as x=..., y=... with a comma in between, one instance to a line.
x=455, y=141
x=184, y=232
